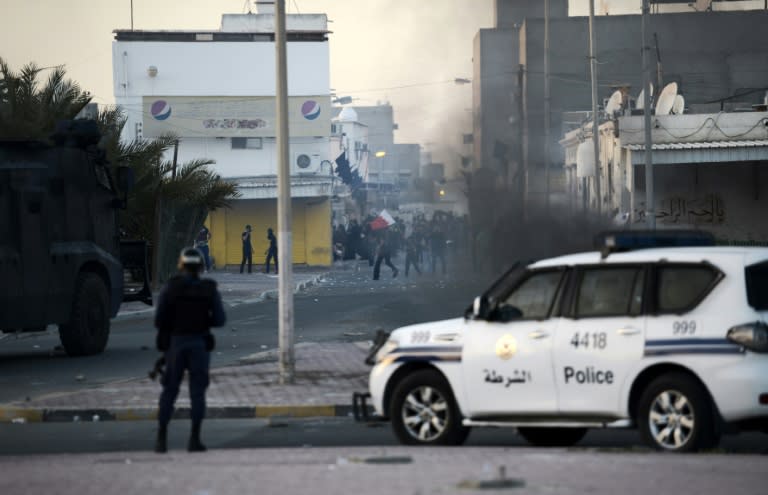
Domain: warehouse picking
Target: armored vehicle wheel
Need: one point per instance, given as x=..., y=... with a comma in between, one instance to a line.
x=677, y=415
x=424, y=412
x=552, y=437
x=88, y=329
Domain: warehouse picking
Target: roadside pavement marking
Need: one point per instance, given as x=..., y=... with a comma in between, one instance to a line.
x=11, y=414
x=295, y=411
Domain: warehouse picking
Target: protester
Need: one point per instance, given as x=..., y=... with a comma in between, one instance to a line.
x=247, y=249
x=201, y=243
x=271, y=250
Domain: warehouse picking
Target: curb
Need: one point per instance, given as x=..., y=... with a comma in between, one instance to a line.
x=32, y=415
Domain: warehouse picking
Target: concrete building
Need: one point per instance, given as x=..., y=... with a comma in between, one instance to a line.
x=215, y=90
x=714, y=56
x=709, y=172
x=392, y=166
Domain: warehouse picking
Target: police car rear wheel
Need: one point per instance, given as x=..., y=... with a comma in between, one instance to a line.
x=552, y=437
x=677, y=415
x=424, y=412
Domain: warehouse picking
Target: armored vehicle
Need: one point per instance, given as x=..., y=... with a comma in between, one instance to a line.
x=62, y=260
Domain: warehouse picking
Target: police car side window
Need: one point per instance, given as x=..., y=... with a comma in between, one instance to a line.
x=681, y=287
x=535, y=295
x=609, y=292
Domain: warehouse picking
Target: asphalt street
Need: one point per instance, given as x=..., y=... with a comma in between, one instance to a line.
x=345, y=306
x=138, y=436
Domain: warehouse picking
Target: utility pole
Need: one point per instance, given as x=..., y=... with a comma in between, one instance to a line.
x=650, y=214
x=287, y=361
x=131, y=15
x=595, y=127
x=546, y=106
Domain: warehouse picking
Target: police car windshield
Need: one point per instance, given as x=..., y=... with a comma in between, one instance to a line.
x=500, y=287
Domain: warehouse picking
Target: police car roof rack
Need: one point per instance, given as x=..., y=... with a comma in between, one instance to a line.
x=631, y=240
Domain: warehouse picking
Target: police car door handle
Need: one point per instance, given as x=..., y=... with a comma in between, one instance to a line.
x=538, y=334
x=628, y=331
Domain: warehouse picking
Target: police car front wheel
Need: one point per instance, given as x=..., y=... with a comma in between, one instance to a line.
x=676, y=414
x=424, y=411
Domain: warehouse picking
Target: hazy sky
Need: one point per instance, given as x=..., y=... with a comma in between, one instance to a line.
x=406, y=52
x=377, y=46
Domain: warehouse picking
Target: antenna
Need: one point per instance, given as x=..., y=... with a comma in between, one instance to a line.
x=614, y=103
x=679, y=106
x=641, y=100
x=666, y=99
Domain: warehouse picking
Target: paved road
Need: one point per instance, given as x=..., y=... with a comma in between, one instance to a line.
x=345, y=306
x=137, y=436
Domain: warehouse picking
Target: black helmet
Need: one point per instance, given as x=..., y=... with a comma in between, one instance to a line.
x=190, y=258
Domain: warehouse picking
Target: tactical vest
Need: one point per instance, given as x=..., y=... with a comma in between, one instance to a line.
x=191, y=304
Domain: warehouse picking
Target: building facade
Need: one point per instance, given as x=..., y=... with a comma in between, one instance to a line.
x=215, y=91
x=715, y=56
x=709, y=172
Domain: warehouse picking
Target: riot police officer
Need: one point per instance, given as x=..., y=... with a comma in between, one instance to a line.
x=187, y=308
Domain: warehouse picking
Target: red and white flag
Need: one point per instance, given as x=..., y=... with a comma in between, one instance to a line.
x=383, y=221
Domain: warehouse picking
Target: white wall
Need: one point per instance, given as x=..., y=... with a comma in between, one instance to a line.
x=216, y=68
x=221, y=69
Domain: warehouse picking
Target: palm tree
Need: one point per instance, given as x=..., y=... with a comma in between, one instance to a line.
x=29, y=110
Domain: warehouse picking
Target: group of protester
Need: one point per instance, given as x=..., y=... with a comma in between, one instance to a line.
x=270, y=253
x=425, y=243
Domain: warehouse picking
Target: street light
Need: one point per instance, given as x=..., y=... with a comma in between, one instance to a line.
x=461, y=80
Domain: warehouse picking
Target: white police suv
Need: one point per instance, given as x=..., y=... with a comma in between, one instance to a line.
x=671, y=340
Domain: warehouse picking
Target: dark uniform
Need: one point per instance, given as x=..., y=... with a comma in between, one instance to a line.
x=271, y=251
x=247, y=249
x=187, y=308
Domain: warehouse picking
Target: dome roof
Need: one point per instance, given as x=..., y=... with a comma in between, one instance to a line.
x=348, y=114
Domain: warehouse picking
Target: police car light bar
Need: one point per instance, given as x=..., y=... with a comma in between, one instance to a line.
x=630, y=240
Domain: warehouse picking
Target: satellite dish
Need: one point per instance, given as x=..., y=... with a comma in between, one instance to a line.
x=640, y=102
x=666, y=99
x=679, y=106
x=614, y=103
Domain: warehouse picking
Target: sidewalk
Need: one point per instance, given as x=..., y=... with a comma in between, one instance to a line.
x=326, y=375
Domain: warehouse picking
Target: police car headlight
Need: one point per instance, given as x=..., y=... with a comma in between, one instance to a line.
x=753, y=336
x=389, y=346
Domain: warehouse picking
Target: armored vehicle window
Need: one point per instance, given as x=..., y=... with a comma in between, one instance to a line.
x=757, y=286
x=680, y=288
x=535, y=295
x=609, y=292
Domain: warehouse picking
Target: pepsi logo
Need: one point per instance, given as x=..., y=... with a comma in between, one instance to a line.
x=160, y=110
x=310, y=110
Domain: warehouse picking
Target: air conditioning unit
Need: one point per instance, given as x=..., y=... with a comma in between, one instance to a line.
x=305, y=163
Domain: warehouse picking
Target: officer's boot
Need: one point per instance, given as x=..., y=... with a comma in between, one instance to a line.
x=161, y=444
x=195, y=445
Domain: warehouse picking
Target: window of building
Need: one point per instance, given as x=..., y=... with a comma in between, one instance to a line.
x=241, y=143
x=681, y=287
x=609, y=292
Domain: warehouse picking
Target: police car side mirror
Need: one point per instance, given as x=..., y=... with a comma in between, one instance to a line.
x=481, y=308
